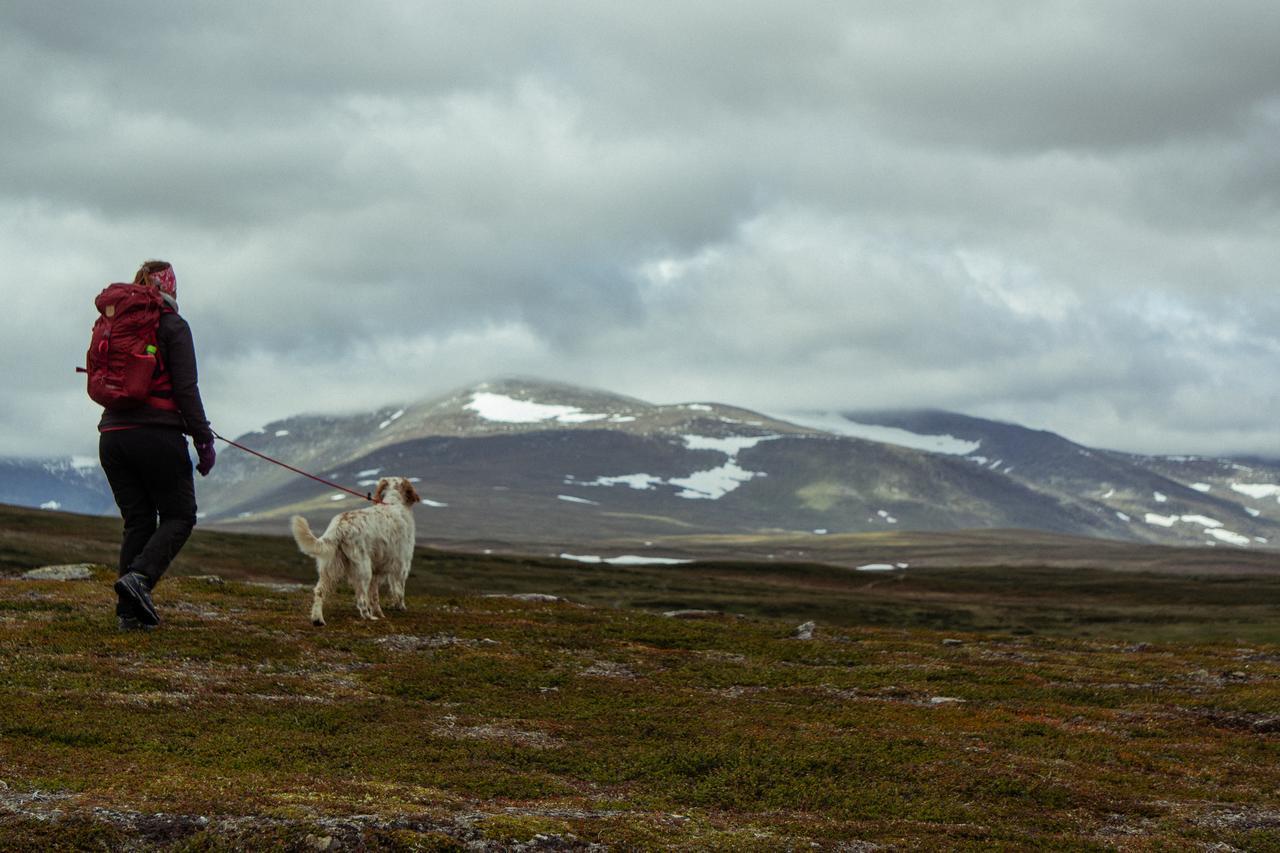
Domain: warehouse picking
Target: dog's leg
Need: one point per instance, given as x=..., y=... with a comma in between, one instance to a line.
x=361, y=580
x=395, y=582
x=324, y=586
x=374, y=604
x=400, y=572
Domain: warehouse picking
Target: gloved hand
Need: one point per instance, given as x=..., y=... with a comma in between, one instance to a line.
x=207, y=456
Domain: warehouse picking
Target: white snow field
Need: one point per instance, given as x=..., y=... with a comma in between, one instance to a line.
x=711, y=484
x=1211, y=526
x=82, y=464
x=508, y=410
x=625, y=560
x=639, y=482
x=1257, y=491
x=840, y=425
x=1229, y=537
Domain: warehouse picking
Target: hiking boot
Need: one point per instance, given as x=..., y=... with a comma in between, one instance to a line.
x=133, y=589
x=132, y=623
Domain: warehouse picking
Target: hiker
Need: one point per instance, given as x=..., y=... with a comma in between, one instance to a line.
x=143, y=448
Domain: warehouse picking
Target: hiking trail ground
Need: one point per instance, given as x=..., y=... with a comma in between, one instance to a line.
x=474, y=722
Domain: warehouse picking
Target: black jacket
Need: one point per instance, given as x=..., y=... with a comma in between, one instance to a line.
x=177, y=353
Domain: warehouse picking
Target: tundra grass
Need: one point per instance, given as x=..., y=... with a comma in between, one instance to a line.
x=1090, y=601
x=482, y=723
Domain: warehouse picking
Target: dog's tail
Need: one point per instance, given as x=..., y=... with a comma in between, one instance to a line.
x=307, y=541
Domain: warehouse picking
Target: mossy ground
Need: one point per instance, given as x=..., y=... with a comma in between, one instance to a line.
x=466, y=719
x=1053, y=710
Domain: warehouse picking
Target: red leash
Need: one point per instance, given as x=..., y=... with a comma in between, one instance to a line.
x=366, y=496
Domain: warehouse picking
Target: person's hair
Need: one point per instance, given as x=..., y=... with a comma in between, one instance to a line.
x=149, y=267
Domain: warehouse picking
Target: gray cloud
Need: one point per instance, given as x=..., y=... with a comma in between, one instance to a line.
x=1053, y=212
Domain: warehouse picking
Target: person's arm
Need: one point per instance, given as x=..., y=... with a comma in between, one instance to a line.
x=179, y=351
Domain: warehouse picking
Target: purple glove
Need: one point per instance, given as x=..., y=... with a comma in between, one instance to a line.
x=206, y=454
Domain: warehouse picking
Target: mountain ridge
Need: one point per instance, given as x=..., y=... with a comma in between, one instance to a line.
x=524, y=460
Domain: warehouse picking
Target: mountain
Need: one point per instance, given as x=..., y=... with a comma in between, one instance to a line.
x=524, y=461
x=74, y=484
x=1194, y=499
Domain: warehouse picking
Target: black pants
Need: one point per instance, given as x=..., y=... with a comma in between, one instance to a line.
x=150, y=476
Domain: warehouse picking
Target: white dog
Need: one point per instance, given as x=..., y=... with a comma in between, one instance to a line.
x=366, y=546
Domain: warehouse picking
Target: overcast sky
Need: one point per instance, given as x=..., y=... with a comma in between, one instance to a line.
x=1065, y=214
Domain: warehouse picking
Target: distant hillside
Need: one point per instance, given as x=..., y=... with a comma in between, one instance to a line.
x=74, y=484
x=1194, y=500
x=521, y=461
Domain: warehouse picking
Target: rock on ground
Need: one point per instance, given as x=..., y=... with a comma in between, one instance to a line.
x=74, y=572
x=805, y=631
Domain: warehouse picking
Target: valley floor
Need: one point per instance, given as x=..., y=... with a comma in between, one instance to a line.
x=474, y=722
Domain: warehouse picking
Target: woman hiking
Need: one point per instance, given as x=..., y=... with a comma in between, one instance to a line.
x=143, y=449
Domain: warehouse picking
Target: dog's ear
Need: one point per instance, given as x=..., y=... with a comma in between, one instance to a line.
x=408, y=493
x=381, y=490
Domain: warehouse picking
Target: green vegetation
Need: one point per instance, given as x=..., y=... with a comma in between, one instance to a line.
x=493, y=721
x=824, y=494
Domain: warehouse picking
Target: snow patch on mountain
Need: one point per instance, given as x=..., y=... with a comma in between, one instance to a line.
x=1211, y=526
x=840, y=425
x=624, y=560
x=1229, y=537
x=1257, y=491
x=639, y=482
x=508, y=410
x=711, y=484
x=731, y=445
x=715, y=483
x=84, y=464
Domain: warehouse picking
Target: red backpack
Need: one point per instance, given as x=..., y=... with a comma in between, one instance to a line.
x=123, y=364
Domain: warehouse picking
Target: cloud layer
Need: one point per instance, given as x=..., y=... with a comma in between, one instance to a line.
x=1058, y=213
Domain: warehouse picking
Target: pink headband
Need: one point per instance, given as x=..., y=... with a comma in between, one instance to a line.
x=166, y=281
